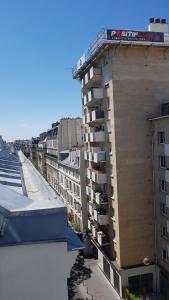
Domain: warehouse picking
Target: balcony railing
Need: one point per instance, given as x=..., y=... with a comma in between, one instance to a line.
x=101, y=198
x=86, y=155
x=94, y=231
x=93, y=117
x=89, y=173
x=102, y=238
x=100, y=217
x=86, y=137
x=99, y=177
x=91, y=78
x=100, y=40
x=98, y=136
x=93, y=97
x=97, y=116
x=89, y=225
x=88, y=190
x=90, y=208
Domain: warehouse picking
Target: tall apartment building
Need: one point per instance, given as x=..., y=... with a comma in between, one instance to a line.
x=124, y=80
x=64, y=163
x=68, y=180
x=64, y=135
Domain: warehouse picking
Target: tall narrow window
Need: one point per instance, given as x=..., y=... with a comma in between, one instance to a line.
x=161, y=137
x=164, y=232
x=164, y=255
x=163, y=208
x=162, y=185
x=162, y=161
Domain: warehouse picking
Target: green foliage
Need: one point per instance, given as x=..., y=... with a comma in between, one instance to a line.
x=75, y=226
x=131, y=296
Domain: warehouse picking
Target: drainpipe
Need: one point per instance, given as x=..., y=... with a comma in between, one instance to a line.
x=155, y=215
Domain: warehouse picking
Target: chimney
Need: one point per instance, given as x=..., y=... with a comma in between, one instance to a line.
x=158, y=25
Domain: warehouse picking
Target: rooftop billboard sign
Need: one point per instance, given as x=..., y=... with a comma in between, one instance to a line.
x=137, y=36
x=110, y=36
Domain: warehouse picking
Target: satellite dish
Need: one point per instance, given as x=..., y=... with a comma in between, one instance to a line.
x=147, y=261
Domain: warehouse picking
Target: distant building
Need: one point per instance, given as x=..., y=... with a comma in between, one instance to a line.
x=67, y=178
x=2, y=143
x=62, y=136
x=41, y=153
x=34, y=150
x=23, y=145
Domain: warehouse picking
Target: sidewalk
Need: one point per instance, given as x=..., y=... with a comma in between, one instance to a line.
x=97, y=287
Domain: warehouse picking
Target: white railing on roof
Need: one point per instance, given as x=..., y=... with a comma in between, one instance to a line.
x=91, y=51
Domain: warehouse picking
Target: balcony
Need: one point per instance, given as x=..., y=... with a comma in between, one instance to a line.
x=96, y=155
x=85, y=100
x=89, y=173
x=88, y=118
x=99, y=156
x=97, y=136
x=89, y=225
x=93, y=97
x=89, y=156
x=82, y=83
x=101, y=198
x=94, y=231
x=84, y=119
x=97, y=116
x=86, y=137
x=92, y=77
x=88, y=190
x=102, y=238
x=90, y=208
x=100, y=217
x=99, y=177
x=85, y=155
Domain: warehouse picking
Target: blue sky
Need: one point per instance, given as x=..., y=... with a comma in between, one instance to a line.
x=40, y=40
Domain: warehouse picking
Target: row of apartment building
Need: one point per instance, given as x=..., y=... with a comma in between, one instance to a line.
x=58, y=154
x=120, y=192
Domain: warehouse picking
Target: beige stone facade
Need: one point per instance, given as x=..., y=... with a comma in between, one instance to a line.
x=67, y=177
x=160, y=146
x=123, y=86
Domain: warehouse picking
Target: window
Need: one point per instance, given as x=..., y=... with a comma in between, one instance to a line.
x=78, y=191
x=106, y=267
x=161, y=137
x=137, y=282
x=116, y=280
x=164, y=255
x=164, y=232
x=162, y=186
x=162, y=161
x=163, y=208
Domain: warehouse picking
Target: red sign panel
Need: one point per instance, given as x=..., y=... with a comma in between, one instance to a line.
x=138, y=36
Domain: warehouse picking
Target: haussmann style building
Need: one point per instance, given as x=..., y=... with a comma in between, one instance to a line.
x=124, y=81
